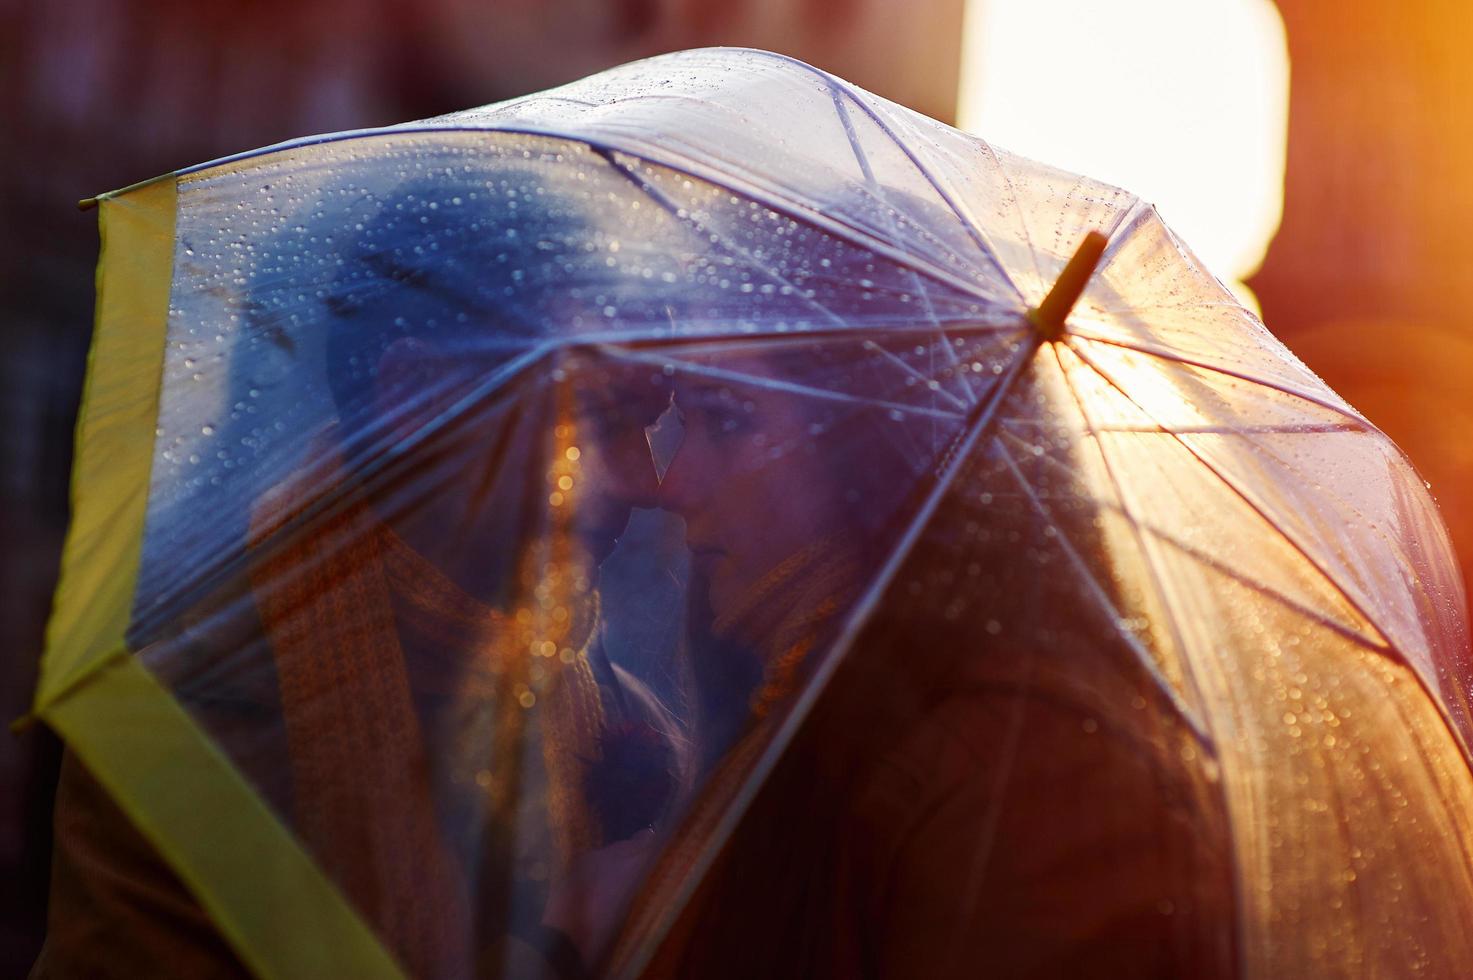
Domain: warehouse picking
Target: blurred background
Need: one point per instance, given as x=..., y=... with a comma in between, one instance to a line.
x=1316, y=155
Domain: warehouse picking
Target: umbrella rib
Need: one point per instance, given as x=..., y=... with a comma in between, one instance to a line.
x=1022, y=221
x=1354, y=422
x=1145, y=552
x=1153, y=669
x=687, y=347
x=1309, y=612
x=1243, y=494
x=836, y=84
x=1240, y=430
x=853, y=331
x=1287, y=428
x=954, y=292
x=669, y=206
x=832, y=223
x=1153, y=351
x=973, y=231
x=1265, y=449
x=675, y=211
x=857, y=331
x=1167, y=597
x=895, y=359
x=869, y=176
x=1149, y=307
x=1119, y=233
x=211, y=576
x=829, y=223
x=779, y=385
x=537, y=97
x=853, y=137
x=656, y=156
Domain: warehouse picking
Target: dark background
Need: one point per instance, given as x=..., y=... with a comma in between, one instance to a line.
x=1370, y=278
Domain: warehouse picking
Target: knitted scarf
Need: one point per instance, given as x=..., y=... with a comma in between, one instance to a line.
x=340, y=603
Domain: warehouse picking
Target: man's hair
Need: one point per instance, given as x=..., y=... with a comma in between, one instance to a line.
x=453, y=266
x=471, y=264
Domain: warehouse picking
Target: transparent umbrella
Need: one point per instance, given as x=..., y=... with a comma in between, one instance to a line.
x=707, y=519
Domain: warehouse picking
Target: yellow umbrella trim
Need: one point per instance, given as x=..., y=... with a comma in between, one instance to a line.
x=268, y=897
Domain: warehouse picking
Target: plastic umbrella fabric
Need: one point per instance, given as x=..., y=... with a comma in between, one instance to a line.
x=357, y=629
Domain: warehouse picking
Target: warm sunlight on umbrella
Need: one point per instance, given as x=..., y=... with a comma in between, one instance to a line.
x=1081, y=84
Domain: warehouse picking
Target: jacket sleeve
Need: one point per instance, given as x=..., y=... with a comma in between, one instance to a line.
x=116, y=909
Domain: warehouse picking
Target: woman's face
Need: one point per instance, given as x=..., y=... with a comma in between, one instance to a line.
x=750, y=480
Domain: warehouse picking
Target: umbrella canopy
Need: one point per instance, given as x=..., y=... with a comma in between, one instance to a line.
x=489, y=531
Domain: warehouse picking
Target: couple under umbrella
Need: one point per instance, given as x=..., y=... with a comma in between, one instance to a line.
x=572, y=538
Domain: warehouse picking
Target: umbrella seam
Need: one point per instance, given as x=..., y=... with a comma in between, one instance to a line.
x=829, y=223
x=209, y=578
x=1013, y=322
x=1390, y=649
x=1221, y=567
x=1239, y=898
x=664, y=201
x=788, y=386
x=675, y=162
x=1168, y=355
x=1165, y=595
x=975, y=232
x=1197, y=726
x=870, y=179
x=1347, y=412
x=860, y=612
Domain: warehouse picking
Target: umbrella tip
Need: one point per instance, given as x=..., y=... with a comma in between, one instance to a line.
x=1048, y=317
x=87, y=204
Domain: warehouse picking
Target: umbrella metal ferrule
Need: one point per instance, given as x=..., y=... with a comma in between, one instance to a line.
x=1048, y=317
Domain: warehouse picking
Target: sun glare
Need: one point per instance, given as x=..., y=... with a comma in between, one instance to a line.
x=1185, y=104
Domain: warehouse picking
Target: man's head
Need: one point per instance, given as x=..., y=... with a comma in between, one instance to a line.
x=462, y=408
